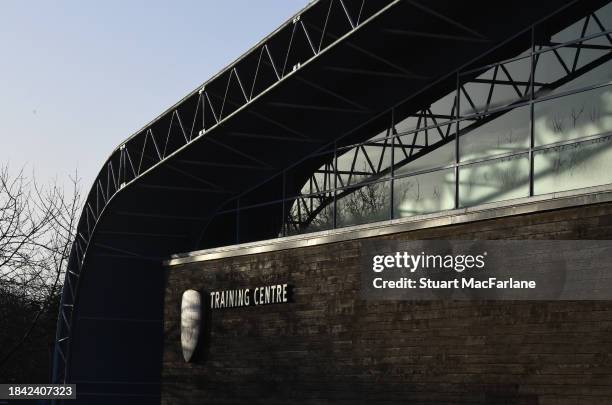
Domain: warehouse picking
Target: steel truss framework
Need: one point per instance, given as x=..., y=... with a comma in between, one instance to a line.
x=440, y=123
x=317, y=29
x=293, y=45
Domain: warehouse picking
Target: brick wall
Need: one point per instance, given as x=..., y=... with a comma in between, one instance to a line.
x=331, y=347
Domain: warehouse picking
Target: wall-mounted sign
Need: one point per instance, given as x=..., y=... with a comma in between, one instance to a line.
x=191, y=322
x=245, y=297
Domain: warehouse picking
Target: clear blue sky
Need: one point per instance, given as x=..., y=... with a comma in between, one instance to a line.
x=78, y=77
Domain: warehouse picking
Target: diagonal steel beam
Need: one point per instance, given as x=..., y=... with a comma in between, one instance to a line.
x=331, y=93
x=238, y=152
x=422, y=34
x=447, y=19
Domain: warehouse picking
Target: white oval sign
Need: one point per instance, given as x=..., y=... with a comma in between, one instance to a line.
x=191, y=322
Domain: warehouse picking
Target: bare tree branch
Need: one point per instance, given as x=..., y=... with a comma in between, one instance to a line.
x=37, y=227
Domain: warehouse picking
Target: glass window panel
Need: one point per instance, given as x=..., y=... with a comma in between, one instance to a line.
x=466, y=122
x=364, y=162
x=424, y=193
x=515, y=77
x=605, y=16
x=473, y=99
x=370, y=203
x=569, y=167
x=494, y=180
x=310, y=214
x=510, y=84
x=314, y=174
x=421, y=119
x=350, y=165
x=550, y=69
x=574, y=31
x=444, y=108
x=408, y=124
x=588, y=53
x=574, y=116
x=509, y=132
x=406, y=163
x=321, y=180
x=442, y=111
x=378, y=155
x=347, y=164
x=569, y=33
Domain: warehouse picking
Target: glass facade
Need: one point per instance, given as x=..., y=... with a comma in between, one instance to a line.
x=537, y=123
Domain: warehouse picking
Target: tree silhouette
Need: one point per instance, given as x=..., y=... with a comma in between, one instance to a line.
x=37, y=226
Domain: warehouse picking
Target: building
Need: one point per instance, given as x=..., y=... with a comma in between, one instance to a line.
x=356, y=119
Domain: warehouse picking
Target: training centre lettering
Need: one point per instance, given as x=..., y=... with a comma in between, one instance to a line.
x=245, y=297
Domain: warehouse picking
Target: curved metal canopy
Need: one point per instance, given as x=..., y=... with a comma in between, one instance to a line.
x=326, y=76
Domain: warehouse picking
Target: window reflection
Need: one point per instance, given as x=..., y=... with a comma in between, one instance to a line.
x=573, y=166
x=310, y=214
x=424, y=193
x=570, y=33
x=556, y=67
x=502, y=133
x=499, y=86
x=416, y=173
x=405, y=163
x=571, y=117
x=494, y=180
x=369, y=203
